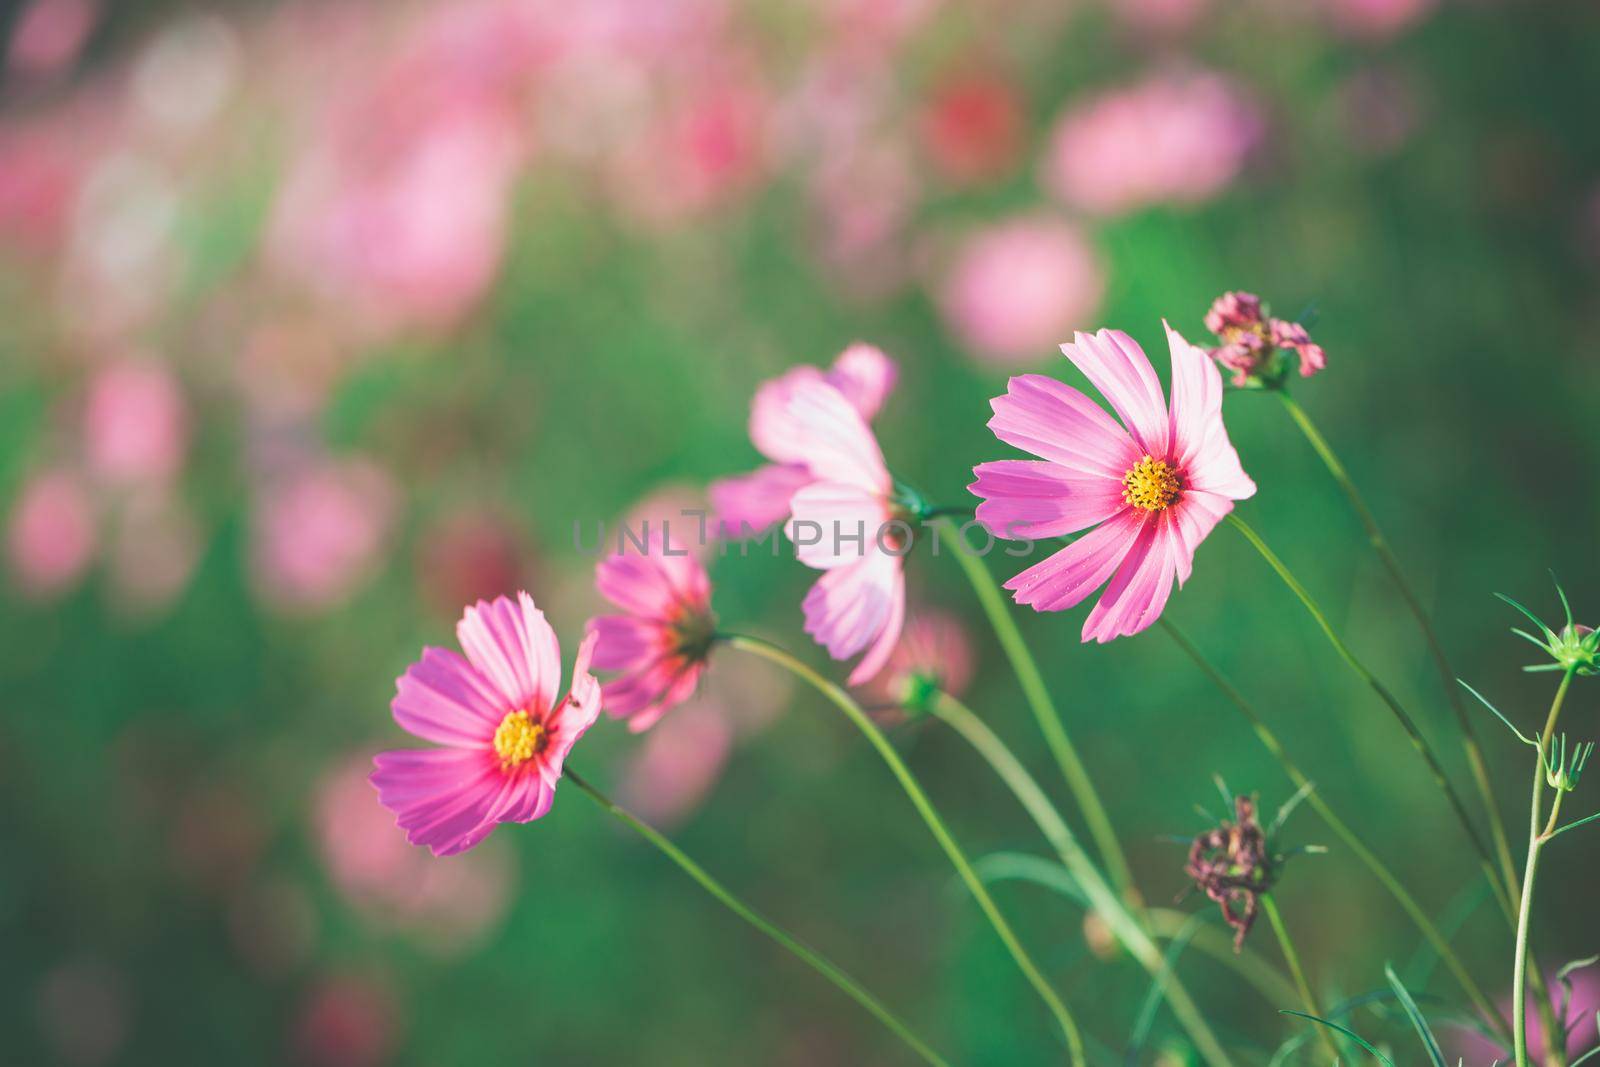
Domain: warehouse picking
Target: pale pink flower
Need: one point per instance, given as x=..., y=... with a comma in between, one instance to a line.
x=318, y=533
x=469, y=554
x=935, y=652
x=51, y=533
x=1020, y=285
x=671, y=773
x=751, y=503
x=504, y=734
x=135, y=423
x=846, y=523
x=972, y=126
x=49, y=35
x=1172, y=138
x=1152, y=488
x=660, y=643
x=1252, y=340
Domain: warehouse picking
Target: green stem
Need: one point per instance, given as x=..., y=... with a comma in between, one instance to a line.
x=1308, y=999
x=1102, y=898
x=1044, y=709
x=1413, y=733
x=1342, y=830
x=1536, y=840
x=1217, y=943
x=816, y=961
x=842, y=700
x=1380, y=545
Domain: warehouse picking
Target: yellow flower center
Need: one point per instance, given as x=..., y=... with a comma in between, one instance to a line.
x=1151, y=484
x=517, y=740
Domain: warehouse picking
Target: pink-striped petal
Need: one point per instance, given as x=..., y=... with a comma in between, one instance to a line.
x=1034, y=500
x=865, y=376
x=1196, y=397
x=1068, y=577
x=627, y=642
x=1138, y=591
x=442, y=698
x=1058, y=423
x=835, y=524
x=833, y=440
x=849, y=607
x=774, y=430
x=1194, y=516
x=750, y=504
x=513, y=647
x=878, y=655
x=440, y=796
x=1118, y=367
x=573, y=717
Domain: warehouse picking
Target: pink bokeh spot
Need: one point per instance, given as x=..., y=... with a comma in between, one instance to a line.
x=319, y=532
x=135, y=423
x=51, y=535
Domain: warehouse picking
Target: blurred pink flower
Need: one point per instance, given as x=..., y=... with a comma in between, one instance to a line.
x=1017, y=287
x=934, y=652
x=972, y=126
x=1177, y=138
x=504, y=736
x=469, y=555
x=1474, y=1047
x=1376, y=19
x=51, y=535
x=671, y=773
x=1152, y=488
x=845, y=523
x=346, y=1021
x=39, y=174
x=83, y=1010
x=751, y=503
x=660, y=644
x=319, y=531
x=448, y=905
x=135, y=423
x=1252, y=340
x=48, y=35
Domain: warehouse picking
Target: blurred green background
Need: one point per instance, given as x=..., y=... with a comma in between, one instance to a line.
x=318, y=321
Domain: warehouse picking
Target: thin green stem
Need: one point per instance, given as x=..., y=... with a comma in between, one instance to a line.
x=1536, y=841
x=815, y=960
x=1424, y=923
x=1216, y=942
x=1413, y=733
x=1308, y=1000
x=1380, y=545
x=908, y=782
x=1105, y=902
x=1044, y=709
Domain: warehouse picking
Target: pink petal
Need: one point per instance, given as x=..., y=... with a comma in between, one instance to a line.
x=1118, y=367
x=442, y=698
x=441, y=797
x=773, y=430
x=1139, y=590
x=1195, y=515
x=659, y=583
x=833, y=440
x=842, y=520
x=626, y=642
x=1070, y=575
x=514, y=648
x=851, y=606
x=1056, y=422
x=635, y=692
x=878, y=656
x=752, y=503
x=1196, y=397
x=865, y=376
x=677, y=689
x=1031, y=499
x=573, y=717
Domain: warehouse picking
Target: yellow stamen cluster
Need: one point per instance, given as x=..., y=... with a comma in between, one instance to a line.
x=1151, y=484
x=518, y=739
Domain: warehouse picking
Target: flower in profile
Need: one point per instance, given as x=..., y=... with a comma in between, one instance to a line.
x=1254, y=343
x=661, y=641
x=934, y=654
x=847, y=523
x=1152, y=491
x=1233, y=864
x=504, y=734
x=751, y=503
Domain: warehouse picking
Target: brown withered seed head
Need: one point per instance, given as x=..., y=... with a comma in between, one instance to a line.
x=1234, y=867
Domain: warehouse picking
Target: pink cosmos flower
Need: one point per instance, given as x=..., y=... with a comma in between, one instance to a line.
x=845, y=522
x=660, y=643
x=135, y=423
x=934, y=652
x=1020, y=284
x=1582, y=1036
x=753, y=502
x=1251, y=340
x=505, y=735
x=1152, y=488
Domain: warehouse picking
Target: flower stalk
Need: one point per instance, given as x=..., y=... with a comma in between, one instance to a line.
x=815, y=960
x=1071, y=1034
x=1308, y=999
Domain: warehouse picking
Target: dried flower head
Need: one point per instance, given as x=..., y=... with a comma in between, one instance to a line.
x=1254, y=344
x=1233, y=865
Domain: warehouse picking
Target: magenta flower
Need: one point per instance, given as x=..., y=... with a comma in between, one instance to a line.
x=846, y=523
x=1252, y=340
x=660, y=642
x=505, y=735
x=1152, y=491
x=751, y=503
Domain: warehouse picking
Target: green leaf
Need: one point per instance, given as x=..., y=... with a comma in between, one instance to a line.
x=1573, y=825
x=1347, y=1032
x=1531, y=617
x=1022, y=867
x=1485, y=701
x=1424, y=1031
x=1152, y=1001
